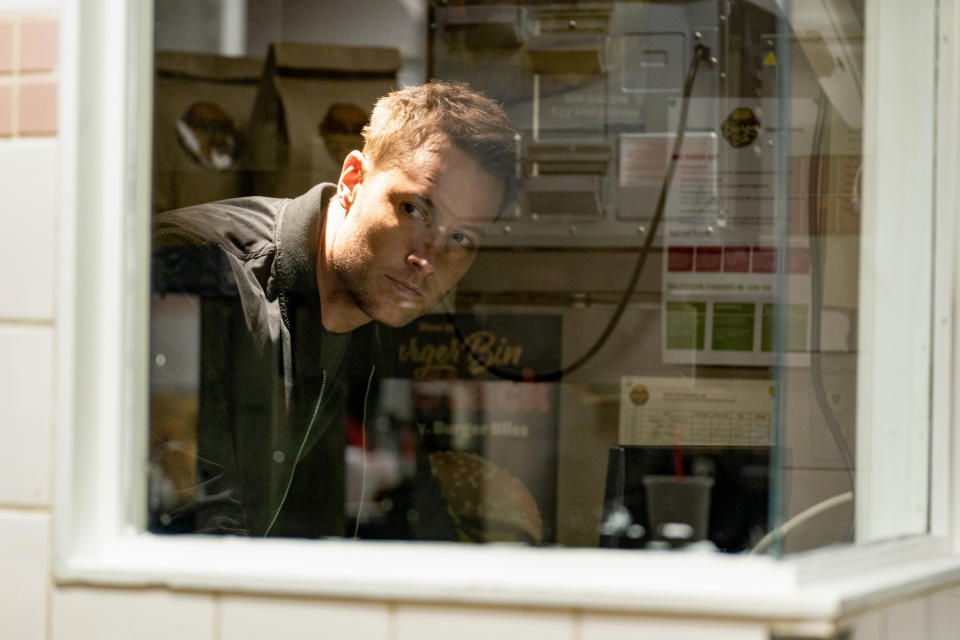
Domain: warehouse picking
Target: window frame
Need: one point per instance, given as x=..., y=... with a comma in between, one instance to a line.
x=102, y=357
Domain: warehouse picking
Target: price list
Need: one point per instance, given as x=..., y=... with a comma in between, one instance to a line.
x=668, y=412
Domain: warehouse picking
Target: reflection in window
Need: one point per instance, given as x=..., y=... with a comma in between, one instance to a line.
x=679, y=266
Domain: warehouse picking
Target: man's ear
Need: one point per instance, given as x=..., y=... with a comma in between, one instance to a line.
x=351, y=176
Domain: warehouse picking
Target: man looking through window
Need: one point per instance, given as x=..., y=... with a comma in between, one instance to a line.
x=288, y=289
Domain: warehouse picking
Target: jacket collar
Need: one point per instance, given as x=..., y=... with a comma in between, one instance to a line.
x=297, y=236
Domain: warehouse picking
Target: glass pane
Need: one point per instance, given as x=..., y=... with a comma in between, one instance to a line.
x=656, y=345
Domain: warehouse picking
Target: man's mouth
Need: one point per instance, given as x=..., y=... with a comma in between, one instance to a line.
x=405, y=289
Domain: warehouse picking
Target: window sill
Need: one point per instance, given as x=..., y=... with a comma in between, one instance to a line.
x=813, y=590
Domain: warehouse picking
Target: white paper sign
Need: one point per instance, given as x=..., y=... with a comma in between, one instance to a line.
x=670, y=411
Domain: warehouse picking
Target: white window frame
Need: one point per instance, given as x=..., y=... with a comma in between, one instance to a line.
x=102, y=319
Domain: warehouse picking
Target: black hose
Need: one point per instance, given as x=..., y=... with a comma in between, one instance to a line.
x=701, y=54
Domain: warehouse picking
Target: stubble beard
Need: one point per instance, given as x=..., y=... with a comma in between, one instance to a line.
x=357, y=280
x=352, y=272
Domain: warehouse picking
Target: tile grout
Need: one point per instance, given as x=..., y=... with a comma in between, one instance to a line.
x=29, y=76
x=18, y=323
x=25, y=508
x=31, y=14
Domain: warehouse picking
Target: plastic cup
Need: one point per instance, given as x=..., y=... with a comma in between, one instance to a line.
x=678, y=508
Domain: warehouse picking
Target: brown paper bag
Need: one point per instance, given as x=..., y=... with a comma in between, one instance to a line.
x=202, y=107
x=312, y=103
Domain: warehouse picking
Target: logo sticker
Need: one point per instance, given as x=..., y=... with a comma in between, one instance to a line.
x=639, y=395
x=741, y=127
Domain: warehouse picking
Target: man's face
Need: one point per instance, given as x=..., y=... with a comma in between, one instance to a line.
x=412, y=232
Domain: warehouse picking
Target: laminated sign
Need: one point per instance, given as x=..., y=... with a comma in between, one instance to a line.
x=203, y=105
x=737, y=268
x=312, y=104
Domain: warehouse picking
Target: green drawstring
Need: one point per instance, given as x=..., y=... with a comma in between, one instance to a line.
x=313, y=419
x=363, y=452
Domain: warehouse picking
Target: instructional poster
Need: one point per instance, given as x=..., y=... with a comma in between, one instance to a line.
x=662, y=411
x=720, y=304
x=724, y=302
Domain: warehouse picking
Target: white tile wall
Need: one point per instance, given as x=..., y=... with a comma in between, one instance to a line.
x=249, y=618
x=620, y=627
x=945, y=615
x=414, y=622
x=24, y=574
x=83, y=613
x=26, y=398
x=869, y=626
x=28, y=202
x=909, y=620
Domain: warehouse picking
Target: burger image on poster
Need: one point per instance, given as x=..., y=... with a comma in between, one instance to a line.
x=487, y=503
x=209, y=136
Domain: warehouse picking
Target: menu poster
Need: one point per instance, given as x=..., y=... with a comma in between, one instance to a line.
x=451, y=367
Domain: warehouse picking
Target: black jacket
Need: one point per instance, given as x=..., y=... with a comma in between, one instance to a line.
x=272, y=379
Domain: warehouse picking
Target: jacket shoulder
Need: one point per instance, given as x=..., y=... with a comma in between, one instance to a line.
x=241, y=226
x=193, y=247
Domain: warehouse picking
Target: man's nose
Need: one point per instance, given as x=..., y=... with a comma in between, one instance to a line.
x=427, y=247
x=421, y=262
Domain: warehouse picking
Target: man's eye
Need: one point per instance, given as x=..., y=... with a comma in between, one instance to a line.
x=464, y=240
x=413, y=211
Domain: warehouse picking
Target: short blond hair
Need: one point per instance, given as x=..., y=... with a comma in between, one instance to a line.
x=403, y=121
